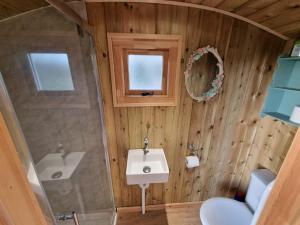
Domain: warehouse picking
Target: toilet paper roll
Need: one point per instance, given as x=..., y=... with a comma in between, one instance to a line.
x=192, y=161
x=295, y=117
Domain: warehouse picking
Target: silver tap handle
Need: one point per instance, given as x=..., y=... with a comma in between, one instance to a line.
x=146, y=141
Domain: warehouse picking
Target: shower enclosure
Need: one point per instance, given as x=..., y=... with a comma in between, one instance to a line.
x=50, y=100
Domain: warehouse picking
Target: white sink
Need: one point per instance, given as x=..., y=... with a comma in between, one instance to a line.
x=54, y=163
x=155, y=159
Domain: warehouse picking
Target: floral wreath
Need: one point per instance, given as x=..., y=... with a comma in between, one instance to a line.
x=216, y=83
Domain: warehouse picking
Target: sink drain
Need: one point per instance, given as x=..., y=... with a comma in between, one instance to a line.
x=146, y=169
x=56, y=175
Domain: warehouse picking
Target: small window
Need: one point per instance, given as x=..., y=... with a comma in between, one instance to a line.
x=51, y=71
x=145, y=72
x=144, y=69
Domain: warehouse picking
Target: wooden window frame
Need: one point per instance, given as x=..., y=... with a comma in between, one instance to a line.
x=121, y=45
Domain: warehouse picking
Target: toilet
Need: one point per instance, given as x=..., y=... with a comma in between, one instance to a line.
x=225, y=211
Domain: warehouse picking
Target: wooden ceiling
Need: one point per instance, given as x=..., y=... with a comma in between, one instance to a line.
x=10, y=8
x=282, y=16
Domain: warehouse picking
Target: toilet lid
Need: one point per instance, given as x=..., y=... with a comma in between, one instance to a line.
x=224, y=211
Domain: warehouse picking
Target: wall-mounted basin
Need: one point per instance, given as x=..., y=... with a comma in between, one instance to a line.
x=151, y=168
x=55, y=167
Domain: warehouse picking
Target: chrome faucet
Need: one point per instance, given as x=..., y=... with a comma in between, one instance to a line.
x=60, y=149
x=145, y=148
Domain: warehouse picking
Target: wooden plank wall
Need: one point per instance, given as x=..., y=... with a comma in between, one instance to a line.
x=231, y=138
x=282, y=16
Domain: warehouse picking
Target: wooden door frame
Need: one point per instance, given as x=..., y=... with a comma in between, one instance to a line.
x=18, y=204
x=283, y=204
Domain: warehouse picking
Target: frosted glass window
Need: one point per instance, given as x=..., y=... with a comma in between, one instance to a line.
x=145, y=72
x=51, y=71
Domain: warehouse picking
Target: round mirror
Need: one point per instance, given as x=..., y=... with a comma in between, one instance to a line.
x=204, y=74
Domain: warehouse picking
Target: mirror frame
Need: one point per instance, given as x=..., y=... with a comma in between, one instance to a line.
x=218, y=80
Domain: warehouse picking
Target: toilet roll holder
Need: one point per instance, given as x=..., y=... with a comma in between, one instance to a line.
x=193, y=152
x=193, y=149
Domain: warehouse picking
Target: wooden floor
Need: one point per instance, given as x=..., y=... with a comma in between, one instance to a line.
x=175, y=214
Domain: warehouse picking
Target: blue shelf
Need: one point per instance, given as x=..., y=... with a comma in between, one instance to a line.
x=284, y=92
x=287, y=74
x=279, y=116
x=286, y=58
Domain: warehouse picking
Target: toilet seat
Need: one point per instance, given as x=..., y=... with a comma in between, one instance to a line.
x=224, y=211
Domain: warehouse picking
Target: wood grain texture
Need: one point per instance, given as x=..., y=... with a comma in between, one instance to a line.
x=256, y=10
x=10, y=8
x=172, y=214
x=120, y=44
x=197, y=6
x=18, y=205
x=283, y=204
x=230, y=137
x=251, y=6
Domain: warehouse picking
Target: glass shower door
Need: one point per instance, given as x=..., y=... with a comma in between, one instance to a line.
x=48, y=73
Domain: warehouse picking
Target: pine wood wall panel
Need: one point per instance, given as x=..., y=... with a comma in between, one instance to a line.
x=274, y=14
x=230, y=137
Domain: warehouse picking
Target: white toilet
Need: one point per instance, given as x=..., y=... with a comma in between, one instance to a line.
x=225, y=211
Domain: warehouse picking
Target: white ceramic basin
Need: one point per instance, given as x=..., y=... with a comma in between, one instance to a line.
x=155, y=159
x=54, y=163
